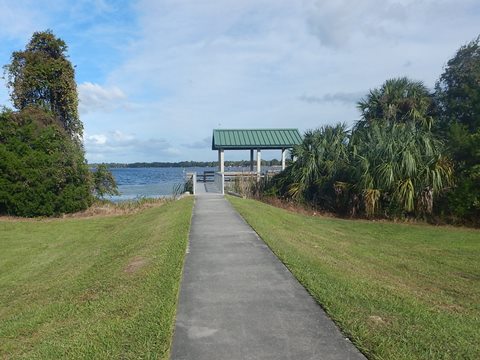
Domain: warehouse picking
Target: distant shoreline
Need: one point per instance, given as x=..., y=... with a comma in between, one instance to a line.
x=185, y=164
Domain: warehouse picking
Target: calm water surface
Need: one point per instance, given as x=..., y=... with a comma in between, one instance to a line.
x=136, y=183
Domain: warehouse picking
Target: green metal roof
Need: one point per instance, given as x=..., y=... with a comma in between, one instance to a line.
x=244, y=139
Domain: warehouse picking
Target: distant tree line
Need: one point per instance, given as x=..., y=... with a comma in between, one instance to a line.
x=187, y=164
x=43, y=170
x=413, y=153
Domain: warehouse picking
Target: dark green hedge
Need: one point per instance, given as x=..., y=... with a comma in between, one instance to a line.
x=42, y=171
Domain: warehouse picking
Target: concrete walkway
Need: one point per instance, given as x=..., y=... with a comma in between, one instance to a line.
x=238, y=301
x=207, y=188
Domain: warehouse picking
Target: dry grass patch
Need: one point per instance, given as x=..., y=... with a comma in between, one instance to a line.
x=135, y=264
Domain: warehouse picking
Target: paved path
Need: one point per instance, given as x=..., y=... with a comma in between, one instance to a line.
x=207, y=188
x=238, y=301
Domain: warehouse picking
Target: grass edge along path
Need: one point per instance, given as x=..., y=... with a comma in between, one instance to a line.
x=397, y=291
x=101, y=287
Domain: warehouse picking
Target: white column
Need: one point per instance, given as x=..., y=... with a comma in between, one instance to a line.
x=221, y=161
x=259, y=161
x=283, y=158
x=251, y=159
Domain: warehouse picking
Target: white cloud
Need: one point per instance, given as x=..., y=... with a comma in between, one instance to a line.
x=344, y=24
x=122, y=138
x=200, y=65
x=184, y=67
x=335, y=23
x=340, y=97
x=205, y=143
x=119, y=146
x=94, y=97
x=96, y=139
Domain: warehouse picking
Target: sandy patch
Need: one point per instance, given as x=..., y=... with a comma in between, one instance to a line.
x=376, y=320
x=135, y=264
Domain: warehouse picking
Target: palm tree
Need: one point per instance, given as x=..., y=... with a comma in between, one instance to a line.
x=398, y=100
x=390, y=160
x=321, y=159
x=397, y=157
x=401, y=163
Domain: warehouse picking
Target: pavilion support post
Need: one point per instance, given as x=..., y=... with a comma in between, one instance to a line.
x=283, y=158
x=221, y=161
x=251, y=160
x=259, y=161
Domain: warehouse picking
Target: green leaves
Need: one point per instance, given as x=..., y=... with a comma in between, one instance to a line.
x=42, y=75
x=398, y=100
x=458, y=97
x=391, y=162
x=401, y=161
x=396, y=151
x=321, y=161
x=43, y=169
x=458, y=89
x=409, y=150
x=42, y=172
x=103, y=182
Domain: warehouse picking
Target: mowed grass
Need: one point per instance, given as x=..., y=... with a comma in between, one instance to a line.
x=93, y=288
x=398, y=291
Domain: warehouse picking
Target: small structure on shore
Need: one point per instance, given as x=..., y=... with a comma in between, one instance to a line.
x=254, y=140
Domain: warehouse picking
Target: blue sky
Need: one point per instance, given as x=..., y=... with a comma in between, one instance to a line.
x=156, y=76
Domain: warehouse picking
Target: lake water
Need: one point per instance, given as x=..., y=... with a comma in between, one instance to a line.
x=135, y=183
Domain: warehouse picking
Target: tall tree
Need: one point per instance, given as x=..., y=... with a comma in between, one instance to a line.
x=458, y=89
x=42, y=75
x=458, y=97
x=398, y=100
x=398, y=158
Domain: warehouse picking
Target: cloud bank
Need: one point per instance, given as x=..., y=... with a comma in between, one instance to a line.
x=340, y=97
x=167, y=72
x=100, y=146
x=94, y=97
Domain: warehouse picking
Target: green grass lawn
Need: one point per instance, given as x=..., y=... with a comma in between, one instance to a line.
x=92, y=288
x=398, y=291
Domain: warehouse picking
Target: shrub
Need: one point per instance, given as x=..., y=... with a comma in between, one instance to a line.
x=103, y=182
x=42, y=171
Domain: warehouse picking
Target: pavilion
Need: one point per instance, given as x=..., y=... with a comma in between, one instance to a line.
x=254, y=139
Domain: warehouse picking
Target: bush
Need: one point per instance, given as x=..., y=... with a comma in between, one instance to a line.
x=458, y=98
x=103, y=182
x=42, y=171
